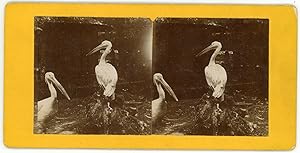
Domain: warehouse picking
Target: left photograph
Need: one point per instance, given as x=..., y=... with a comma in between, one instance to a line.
x=92, y=75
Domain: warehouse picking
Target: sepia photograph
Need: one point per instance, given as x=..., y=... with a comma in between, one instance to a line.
x=92, y=75
x=132, y=76
x=211, y=76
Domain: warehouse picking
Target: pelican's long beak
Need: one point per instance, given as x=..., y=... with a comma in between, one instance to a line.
x=60, y=87
x=207, y=49
x=168, y=88
x=98, y=48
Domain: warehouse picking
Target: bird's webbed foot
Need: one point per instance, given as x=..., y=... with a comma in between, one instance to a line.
x=109, y=108
x=219, y=110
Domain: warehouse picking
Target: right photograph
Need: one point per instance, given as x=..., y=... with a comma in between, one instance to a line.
x=210, y=76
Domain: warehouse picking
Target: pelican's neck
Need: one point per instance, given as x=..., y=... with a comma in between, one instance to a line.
x=214, y=55
x=52, y=90
x=103, y=56
x=161, y=92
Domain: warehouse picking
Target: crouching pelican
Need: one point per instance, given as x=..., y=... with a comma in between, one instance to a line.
x=46, y=107
x=106, y=74
x=215, y=74
x=159, y=104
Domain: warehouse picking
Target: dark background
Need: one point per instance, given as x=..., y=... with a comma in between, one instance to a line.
x=245, y=42
x=61, y=44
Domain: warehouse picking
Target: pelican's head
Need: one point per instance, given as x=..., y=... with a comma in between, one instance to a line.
x=158, y=79
x=214, y=45
x=50, y=78
x=105, y=46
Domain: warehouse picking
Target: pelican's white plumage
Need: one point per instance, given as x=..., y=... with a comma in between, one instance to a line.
x=216, y=76
x=46, y=107
x=107, y=78
x=106, y=74
x=159, y=104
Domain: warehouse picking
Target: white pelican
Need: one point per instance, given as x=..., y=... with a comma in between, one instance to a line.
x=106, y=73
x=159, y=104
x=215, y=74
x=46, y=107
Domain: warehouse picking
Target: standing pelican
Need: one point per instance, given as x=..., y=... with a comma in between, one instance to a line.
x=106, y=73
x=215, y=74
x=46, y=106
x=159, y=104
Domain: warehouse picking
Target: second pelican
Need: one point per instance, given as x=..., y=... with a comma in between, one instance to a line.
x=46, y=107
x=159, y=104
